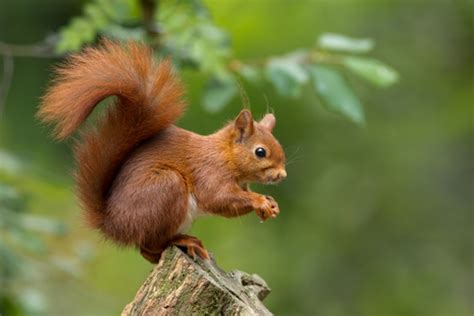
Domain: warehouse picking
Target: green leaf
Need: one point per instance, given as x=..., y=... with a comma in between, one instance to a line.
x=68, y=41
x=212, y=33
x=344, y=43
x=9, y=163
x=286, y=75
x=79, y=32
x=218, y=93
x=115, y=9
x=250, y=73
x=96, y=15
x=123, y=33
x=336, y=93
x=372, y=70
x=84, y=29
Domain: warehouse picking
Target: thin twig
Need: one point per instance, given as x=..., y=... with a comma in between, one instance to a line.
x=149, y=10
x=45, y=49
x=41, y=50
x=314, y=56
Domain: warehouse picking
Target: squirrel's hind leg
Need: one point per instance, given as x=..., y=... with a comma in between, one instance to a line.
x=153, y=256
x=148, y=217
x=192, y=244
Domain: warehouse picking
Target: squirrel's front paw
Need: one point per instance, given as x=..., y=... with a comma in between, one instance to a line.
x=268, y=208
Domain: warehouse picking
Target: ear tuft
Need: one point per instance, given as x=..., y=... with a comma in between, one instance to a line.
x=244, y=125
x=268, y=122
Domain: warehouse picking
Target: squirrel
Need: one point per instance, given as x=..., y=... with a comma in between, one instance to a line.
x=140, y=179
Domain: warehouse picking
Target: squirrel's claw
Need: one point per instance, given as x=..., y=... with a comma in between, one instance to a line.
x=268, y=209
x=193, y=246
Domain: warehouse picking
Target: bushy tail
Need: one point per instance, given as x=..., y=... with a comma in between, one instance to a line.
x=149, y=98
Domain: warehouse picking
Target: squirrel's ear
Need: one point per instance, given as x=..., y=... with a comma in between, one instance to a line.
x=268, y=121
x=244, y=125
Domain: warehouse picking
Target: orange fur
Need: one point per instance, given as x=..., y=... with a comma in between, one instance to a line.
x=141, y=179
x=149, y=99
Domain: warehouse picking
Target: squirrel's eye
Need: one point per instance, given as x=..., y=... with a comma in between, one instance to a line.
x=260, y=152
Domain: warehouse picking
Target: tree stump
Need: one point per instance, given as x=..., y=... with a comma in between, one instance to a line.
x=179, y=285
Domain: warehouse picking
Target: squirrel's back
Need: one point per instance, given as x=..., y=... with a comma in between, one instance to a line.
x=149, y=98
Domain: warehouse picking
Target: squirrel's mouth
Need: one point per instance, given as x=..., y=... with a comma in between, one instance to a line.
x=275, y=177
x=272, y=181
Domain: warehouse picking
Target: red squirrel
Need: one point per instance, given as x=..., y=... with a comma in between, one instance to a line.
x=141, y=180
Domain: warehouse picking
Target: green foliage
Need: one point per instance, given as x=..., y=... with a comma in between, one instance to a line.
x=336, y=93
x=189, y=35
x=23, y=244
x=100, y=17
x=287, y=74
x=372, y=70
x=218, y=93
x=337, y=42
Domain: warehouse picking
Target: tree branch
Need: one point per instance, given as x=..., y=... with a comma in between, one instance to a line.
x=149, y=9
x=180, y=286
x=43, y=49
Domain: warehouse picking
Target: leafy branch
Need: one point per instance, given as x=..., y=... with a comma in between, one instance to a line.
x=188, y=34
x=185, y=31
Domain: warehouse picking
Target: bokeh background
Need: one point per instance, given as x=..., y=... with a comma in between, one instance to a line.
x=375, y=220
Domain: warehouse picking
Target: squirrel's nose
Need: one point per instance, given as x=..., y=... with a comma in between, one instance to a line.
x=282, y=174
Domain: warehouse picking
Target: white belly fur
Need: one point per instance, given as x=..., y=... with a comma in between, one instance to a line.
x=193, y=212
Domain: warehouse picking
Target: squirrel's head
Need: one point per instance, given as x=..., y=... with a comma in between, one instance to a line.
x=257, y=155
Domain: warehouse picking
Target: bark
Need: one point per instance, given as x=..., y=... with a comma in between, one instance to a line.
x=179, y=285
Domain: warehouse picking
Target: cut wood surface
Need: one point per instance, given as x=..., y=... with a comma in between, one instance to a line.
x=179, y=285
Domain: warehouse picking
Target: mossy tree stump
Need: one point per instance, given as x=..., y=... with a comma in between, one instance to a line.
x=179, y=285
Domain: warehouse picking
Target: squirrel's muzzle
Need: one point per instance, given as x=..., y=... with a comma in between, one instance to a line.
x=277, y=176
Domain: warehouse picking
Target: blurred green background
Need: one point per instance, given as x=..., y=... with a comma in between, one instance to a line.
x=375, y=220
